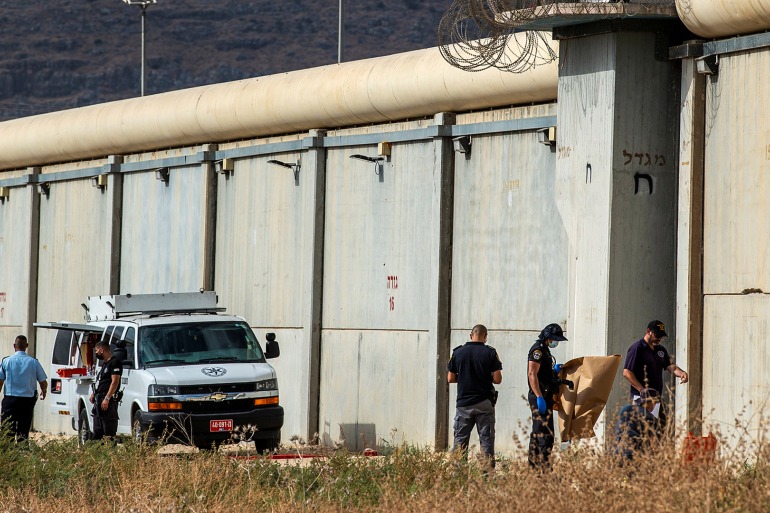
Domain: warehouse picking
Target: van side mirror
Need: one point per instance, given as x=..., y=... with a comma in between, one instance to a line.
x=128, y=364
x=272, y=350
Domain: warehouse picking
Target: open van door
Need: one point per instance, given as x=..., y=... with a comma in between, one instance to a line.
x=71, y=364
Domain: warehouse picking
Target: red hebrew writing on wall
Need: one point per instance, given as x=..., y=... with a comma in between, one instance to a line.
x=392, y=285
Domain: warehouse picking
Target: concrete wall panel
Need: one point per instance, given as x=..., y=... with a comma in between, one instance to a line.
x=379, y=239
x=509, y=268
x=616, y=180
x=378, y=354
x=261, y=240
x=644, y=197
x=737, y=178
x=15, y=252
x=584, y=185
x=735, y=362
x=264, y=249
x=162, y=233
x=376, y=386
x=74, y=262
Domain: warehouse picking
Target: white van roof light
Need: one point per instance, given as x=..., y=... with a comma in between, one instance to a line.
x=105, y=308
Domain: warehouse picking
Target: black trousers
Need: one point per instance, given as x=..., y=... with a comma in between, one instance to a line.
x=105, y=422
x=541, y=438
x=16, y=413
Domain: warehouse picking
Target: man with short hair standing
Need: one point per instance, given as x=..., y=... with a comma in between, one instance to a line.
x=645, y=362
x=105, y=408
x=20, y=374
x=476, y=368
x=647, y=359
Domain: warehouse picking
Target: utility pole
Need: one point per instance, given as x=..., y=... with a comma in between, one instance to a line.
x=143, y=4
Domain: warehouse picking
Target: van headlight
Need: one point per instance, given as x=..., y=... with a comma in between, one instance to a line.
x=156, y=390
x=267, y=384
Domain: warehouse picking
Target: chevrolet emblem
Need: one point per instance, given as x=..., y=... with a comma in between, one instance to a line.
x=219, y=396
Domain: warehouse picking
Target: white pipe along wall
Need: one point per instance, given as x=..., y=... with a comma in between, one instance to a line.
x=413, y=84
x=719, y=18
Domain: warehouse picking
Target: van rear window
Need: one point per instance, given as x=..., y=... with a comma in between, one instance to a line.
x=62, y=355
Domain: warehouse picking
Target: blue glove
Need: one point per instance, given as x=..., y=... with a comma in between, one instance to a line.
x=542, y=409
x=557, y=367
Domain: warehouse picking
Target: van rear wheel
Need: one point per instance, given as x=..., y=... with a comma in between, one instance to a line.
x=84, y=432
x=264, y=445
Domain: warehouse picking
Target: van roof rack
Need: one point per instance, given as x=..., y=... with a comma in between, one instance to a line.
x=106, y=308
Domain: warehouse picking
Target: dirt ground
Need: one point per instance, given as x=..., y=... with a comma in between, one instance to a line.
x=290, y=453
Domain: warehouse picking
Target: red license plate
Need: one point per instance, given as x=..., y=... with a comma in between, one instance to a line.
x=218, y=426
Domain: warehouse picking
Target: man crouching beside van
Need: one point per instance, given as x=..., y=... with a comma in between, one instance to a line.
x=105, y=408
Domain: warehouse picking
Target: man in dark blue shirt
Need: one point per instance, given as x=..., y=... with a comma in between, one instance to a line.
x=476, y=368
x=647, y=359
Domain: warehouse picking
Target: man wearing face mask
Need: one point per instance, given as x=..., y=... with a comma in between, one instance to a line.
x=647, y=359
x=105, y=408
x=542, y=372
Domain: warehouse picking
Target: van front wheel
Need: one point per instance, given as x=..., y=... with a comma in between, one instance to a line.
x=136, y=427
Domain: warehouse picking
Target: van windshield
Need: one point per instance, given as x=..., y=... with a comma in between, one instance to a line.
x=194, y=343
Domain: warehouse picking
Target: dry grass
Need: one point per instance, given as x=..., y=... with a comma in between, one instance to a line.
x=58, y=476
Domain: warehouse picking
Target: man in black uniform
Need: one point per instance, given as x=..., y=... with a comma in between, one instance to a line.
x=542, y=374
x=105, y=408
x=475, y=367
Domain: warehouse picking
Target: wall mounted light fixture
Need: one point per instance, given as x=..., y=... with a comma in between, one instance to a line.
x=376, y=160
x=462, y=144
x=162, y=174
x=547, y=136
x=293, y=166
x=383, y=149
x=708, y=65
x=224, y=166
x=44, y=189
x=99, y=181
x=4, y=193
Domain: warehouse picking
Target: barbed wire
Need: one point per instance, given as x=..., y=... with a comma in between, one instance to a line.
x=474, y=35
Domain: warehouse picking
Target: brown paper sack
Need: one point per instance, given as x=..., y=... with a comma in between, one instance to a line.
x=580, y=408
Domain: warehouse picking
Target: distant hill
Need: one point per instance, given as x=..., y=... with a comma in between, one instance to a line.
x=63, y=54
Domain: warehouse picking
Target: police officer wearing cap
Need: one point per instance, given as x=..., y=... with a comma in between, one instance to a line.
x=647, y=359
x=476, y=368
x=542, y=374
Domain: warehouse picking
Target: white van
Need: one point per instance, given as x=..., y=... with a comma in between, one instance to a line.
x=190, y=373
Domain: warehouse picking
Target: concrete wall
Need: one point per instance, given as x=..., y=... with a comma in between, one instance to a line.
x=349, y=262
x=509, y=261
x=162, y=242
x=617, y=189
x=378, y=302
x=264, y=249
x=18, y=249
x=736, y=276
